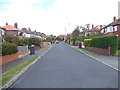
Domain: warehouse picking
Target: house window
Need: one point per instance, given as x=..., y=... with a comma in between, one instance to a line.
x=115, y=28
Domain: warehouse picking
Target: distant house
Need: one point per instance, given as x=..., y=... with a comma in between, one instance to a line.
x=97, y=29
x=62, y=37
x=26, y=33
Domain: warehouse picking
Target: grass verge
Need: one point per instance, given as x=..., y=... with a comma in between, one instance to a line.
x=87, y=52
x=45, y=49
x=7, y=76
x=117, y=53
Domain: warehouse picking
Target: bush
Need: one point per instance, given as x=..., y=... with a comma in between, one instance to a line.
x=8, y=48
x=118, y=44
x=87, y=42
x=35, y=41
x=105, y=42
x=11, y=39
x=8, y=38
x=23, y=42
x=76, y=43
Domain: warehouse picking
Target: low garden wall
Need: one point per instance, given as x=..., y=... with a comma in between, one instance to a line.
x=100, y=50
x=22, y=49
x=9, y=58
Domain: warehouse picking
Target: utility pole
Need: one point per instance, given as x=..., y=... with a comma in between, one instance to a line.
x=65, y=31
x=70, y=27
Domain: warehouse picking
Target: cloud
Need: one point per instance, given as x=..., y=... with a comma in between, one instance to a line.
x=58, y=14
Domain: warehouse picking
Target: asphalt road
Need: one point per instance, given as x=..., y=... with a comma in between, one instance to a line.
x=64, y=67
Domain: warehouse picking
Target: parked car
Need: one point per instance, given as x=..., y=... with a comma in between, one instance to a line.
x=57, y=41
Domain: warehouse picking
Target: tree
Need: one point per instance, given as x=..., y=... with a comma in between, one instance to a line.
x=75, y=35
x=69, y=38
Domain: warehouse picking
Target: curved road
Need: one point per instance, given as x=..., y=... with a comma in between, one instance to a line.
x=64, y=67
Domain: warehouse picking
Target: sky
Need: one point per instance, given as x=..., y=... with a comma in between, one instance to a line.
x=56, y=16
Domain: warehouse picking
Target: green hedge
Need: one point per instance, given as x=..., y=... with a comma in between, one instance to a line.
x=105, y=42
x=8, y=48
x=87, y=42
x=118, y=44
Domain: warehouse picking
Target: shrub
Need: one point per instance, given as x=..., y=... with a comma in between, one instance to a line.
x=23, y=42
x=35, y=41
x=76, y=43
x=105, y=42
x=8, y=39
x=11, y=39
x=8, y=48
x=87, y=42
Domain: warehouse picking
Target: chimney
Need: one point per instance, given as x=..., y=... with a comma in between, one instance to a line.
x=114, y=19
x=92, y=26
x=101, y=26
x=6, y=23
x=16, y=25
x=29, y=29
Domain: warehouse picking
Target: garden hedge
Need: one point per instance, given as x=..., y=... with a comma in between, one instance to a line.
x=118, y=44
x=105, y=42
x=87, y=42
x=8, y=48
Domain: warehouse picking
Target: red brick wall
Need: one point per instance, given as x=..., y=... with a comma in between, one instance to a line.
x=9, y=58
x=119, y=32
x=11, y=33
x=99, y=50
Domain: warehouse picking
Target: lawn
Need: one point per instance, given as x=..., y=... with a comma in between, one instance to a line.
x=7, y=76
x=85, y=51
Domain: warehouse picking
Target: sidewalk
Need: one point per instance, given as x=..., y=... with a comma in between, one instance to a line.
x=39, y=52
x=111, y=61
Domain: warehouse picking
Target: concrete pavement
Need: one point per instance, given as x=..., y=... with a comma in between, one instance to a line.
x=7, y=67
x=64, y=67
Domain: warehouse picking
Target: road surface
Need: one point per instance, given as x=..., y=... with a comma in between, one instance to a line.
x=64, y=67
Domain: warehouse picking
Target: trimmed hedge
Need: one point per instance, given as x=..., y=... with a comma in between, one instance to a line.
x=118, y=44
x=105, y=42
x=87, y=42
x=8, y=48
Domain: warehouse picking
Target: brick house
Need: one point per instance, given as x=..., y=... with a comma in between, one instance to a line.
x=12, y=31
x=112, y=28
x=97, y=28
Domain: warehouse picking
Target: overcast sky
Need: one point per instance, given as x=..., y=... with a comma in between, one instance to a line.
x=53, y=16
